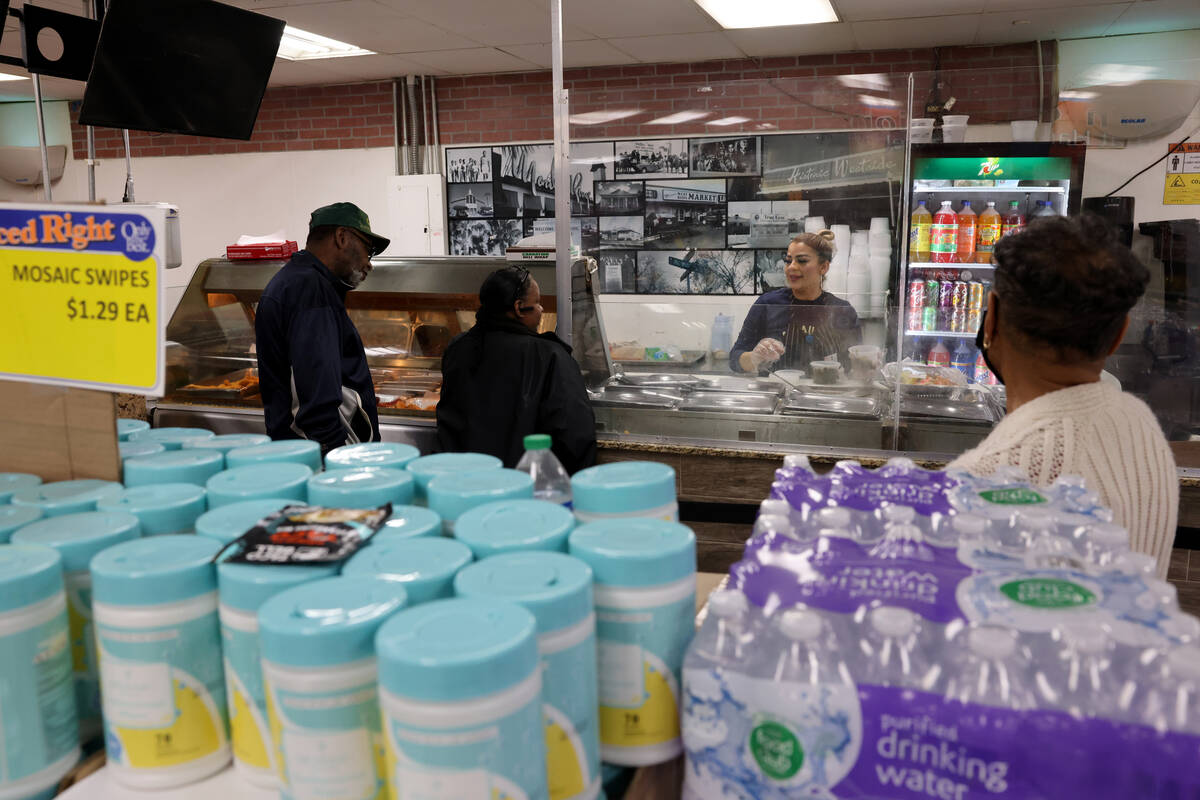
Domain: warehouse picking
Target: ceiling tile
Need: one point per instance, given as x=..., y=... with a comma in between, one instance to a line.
x=490, y=22
x=587, y=53
x=1071, y=23
x=1151, y=16
x=680, y=47
x=372, y=26
x=794, y=40
x=302, y=73
x=472, y=61
x=373, y=68
x=266, y=5
x=996, y=6
x=613, y=18
x=926, y=32
x=865, y=10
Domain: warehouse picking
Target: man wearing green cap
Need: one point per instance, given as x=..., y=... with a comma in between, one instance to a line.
x=311, y=366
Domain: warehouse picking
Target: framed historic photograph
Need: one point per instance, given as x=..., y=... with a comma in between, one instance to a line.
x=726, y=157
x=652, y=158
x=682, y=214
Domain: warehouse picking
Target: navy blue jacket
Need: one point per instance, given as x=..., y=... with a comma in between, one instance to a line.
x=311, y=365
x=811, y=330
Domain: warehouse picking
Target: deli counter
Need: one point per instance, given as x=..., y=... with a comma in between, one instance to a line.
x=409, y=309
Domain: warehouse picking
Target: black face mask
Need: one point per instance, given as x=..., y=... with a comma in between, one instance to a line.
x=983, y=350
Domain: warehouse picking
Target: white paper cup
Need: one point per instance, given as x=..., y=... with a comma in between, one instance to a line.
x=921, y=122
x=814, y=224
x=955, y=119
x=921, y=135
x=1024, y=130
x=954, y=133
x=879, y=225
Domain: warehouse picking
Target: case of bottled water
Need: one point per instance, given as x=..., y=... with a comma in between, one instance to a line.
x=902, y=633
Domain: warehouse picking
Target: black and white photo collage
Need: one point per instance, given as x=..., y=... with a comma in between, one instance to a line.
x=660, y=216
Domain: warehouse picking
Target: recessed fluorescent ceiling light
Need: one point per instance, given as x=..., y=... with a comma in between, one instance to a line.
x=4, y=76
x=601, y=117
x=723, y=121
x=298, y=45
x=768, y=13
x=678, y=118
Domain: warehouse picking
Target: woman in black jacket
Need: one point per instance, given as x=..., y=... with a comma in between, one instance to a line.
x=502, y=380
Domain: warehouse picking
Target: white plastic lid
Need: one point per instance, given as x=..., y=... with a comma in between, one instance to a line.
x=992, y=641
x=772, y=522
x=833, y=517
x=893, y=621
x=796, y=461
x=1039, y=519
x=1136, y=563
x=900, y=462
x=910, y=532
x=800, y=624
x=898, y=514
x=726, y=603
x=1088, y=638
x=1108, y=534
x=780, y=508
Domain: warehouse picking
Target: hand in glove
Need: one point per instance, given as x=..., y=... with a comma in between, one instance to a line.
x=767, y=351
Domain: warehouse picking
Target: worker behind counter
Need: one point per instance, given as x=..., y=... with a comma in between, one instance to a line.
x=789, y=328
x=311, y=365
x=502, y=380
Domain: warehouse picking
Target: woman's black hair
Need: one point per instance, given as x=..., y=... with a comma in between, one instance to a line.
x=1067, y=283
x=500, y=290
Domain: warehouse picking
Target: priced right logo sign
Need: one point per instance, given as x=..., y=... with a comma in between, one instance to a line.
x=1048, y=593
x=776, y=750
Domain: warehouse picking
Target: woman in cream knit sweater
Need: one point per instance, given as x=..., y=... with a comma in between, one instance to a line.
x=1058, y=308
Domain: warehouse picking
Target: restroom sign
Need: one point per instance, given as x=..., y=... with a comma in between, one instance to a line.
x=1182, y=186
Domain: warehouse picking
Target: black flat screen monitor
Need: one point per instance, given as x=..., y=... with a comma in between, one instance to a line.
x=180, y=66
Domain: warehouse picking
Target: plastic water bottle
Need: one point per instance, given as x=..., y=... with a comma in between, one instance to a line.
x=810, y=653
x=722, y=640
x=992, y=671
x=1101, y=544
x=1172, y=702
x=550, y=481
x=1081, y=679
x=891, y=648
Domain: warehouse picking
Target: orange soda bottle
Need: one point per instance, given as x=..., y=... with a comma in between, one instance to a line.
x=989, y=233
x=968, y=222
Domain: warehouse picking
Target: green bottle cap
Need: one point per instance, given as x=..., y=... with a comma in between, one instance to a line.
x=537, y=441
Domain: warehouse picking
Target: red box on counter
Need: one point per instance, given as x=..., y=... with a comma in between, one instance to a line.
x=247, y=252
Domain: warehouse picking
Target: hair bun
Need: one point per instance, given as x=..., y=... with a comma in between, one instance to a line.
x=826, y=234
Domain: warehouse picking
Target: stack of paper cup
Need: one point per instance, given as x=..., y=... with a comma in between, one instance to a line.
x=880, y=268
x=860, y=243
x=814, y=224
x=835, y=279
x=858, y=291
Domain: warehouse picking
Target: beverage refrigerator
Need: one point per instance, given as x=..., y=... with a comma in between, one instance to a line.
x=990, y=190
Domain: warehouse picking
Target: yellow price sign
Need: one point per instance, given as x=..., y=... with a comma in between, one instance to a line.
x=80, y=295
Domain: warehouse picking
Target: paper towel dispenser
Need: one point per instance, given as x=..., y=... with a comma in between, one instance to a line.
x=23, y=165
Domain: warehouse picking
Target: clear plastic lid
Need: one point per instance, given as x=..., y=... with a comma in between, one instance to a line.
x=728, y=603
x=992, y=642
x=801, y=624
x=893, y=621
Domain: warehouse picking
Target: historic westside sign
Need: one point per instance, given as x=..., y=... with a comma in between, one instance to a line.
x=80, y=296
x=869, y=167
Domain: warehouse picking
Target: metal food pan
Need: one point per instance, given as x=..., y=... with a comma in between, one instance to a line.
x=658, y=380
x=634, y=396
x=730, y=402
x=834, y=405
x=732, y=383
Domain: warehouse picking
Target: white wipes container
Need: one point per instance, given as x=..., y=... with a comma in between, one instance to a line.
x=41, y=741
x=243, y=588
x=625, y=489
x=645, y=573
x=557, y=589
x=321, y=684
x=78, y=538
x=460, y=689
x=162, y=686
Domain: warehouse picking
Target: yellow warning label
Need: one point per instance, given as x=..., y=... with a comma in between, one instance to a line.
x=1182, y=184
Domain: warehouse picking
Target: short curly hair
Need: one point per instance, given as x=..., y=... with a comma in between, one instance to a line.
x=1067, y=283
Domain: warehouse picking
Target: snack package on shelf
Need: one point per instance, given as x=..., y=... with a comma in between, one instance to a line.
x=902, y=633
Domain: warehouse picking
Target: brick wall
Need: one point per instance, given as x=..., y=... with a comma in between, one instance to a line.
x=992, y=83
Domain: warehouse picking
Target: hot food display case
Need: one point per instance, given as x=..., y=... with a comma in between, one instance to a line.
x=409, y=309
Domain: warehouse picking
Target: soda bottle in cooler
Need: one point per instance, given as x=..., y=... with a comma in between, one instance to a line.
x=1014, y=220
x=939, y=356
x=919, y=233
x=1045, y=209
x=961, y=359
x=968, y=222
x=981, y=373
x=943, y=236
x=990, y=225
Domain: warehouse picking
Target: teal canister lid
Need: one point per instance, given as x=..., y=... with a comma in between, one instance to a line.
x=246, y=587
x=67, y=497
x=635, y=551
x=371, y=454
x=555, y=587
x=327, y=622
x=425, y=566
x=258, y=481
x=457, y=649
x=225, y=442
x=171, y=438
x=514, y=525
x=229, y=522
x=154, y=571
x=293, y=451
x=13, y=518
x=451, y=495
x=623, y=486
x=173, y=466
x=128, y=427
x=161, y=507
x=29, y=573
x=408, y=522
x=128, y=450
x=363, y=487
x=426, y=468
x=12, y=482
x=80, y=537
